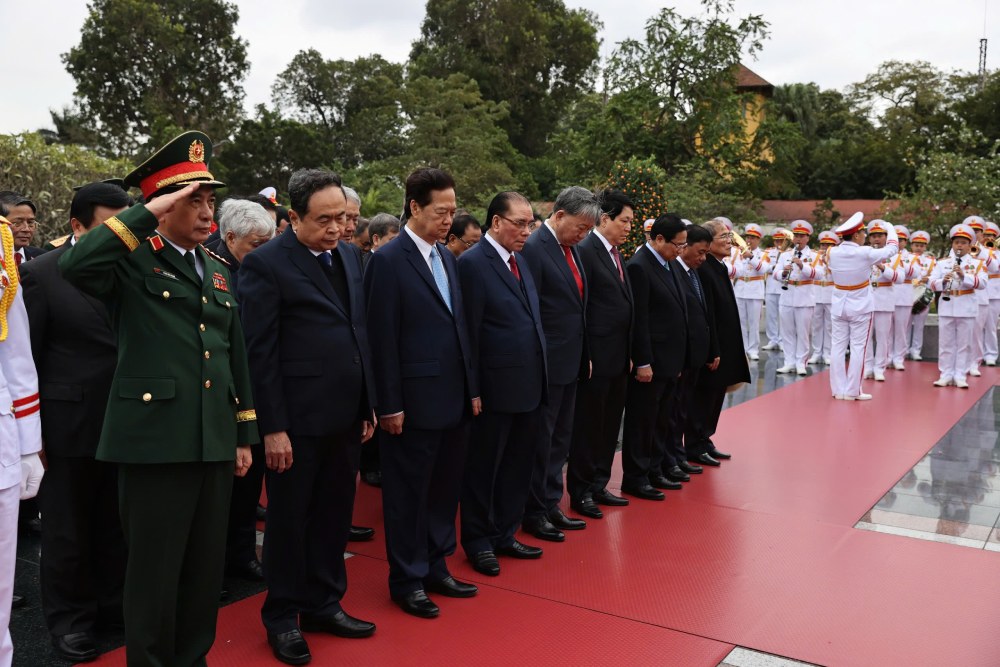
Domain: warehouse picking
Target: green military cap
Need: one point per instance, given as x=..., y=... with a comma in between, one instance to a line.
x=182, y=161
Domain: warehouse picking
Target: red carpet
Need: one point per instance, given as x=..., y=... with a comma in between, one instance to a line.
x=758, y=553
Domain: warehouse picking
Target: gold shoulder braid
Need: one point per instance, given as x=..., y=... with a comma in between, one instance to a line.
x=8, y=274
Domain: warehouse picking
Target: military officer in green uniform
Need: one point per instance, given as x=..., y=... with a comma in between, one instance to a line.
x=180, y=411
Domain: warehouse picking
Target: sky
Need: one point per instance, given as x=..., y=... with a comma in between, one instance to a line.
x=831, y=43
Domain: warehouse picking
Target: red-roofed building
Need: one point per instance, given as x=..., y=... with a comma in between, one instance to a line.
x=780, y=212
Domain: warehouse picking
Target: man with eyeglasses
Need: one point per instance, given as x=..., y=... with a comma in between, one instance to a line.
x=465, y=232
x=20, y=211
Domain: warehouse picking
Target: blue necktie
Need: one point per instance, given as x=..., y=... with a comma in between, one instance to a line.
x=697, y=286
x=437, y=268
x=325, y=259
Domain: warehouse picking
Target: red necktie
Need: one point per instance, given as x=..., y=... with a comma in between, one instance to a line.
x=17, y=259
x=572, y=268
x=513, y=267
x=618, y=263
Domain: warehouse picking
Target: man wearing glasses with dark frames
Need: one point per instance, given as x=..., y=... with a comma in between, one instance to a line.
x=465, y=232
x=21, y=213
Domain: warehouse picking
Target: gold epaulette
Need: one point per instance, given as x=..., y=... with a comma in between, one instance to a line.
x=55, y=243
x=215, y=256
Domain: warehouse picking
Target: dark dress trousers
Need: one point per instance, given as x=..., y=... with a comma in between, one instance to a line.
x=311, y=369
x=710, y=390
x=370, y=459
x=423, y=368
x=600, y=399
x=659, y=340
x=563, y=310
x=83, y=552
x=508, y=347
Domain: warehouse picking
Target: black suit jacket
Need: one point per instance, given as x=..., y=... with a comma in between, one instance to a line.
x=309, y=357
x=222, y=250
x=702, y=346
x=75, y=354
x=660, y=334
x=733, y=366
x=505, y=330
x=423, y=362
x=609, y=310
x=562, y=308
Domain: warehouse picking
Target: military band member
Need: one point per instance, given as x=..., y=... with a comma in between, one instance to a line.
x=883, y=277
x=772, y=292
x=990, y=349
x=852, y=304
x=822, y=325
x=988, y=263
x=180, y=410
x=751, y=274
x=958, y=280
x=906, y=265
x=924, y=265
x=796, y=269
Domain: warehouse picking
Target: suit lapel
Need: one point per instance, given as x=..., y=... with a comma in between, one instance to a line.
x=555, y=252
x=609, y=263
x=506, y=275
x=416, y=259
x=351, y=264
x=174, y=258
x=310, y=266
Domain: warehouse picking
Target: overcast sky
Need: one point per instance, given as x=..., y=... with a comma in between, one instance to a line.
x=831, y=43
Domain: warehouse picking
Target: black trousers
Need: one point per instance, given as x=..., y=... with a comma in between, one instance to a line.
x=174, y=519
x=422, y=475
x=241, y=539
x=371, y=454
x=82, y=568
x=647, y=406
x=308, y=520
x=671, y=429
x=497, y=478
x=596, y=424
x=552, y=450
x=706, y=406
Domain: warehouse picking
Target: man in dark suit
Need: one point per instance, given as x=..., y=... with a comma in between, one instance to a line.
x=600, y=398
x=659, y=348
x=427, y=393
x=710, y=391
x=562, y=295
x=82, y=566
x=508, y=345
x=304, y=314
x=20, y=212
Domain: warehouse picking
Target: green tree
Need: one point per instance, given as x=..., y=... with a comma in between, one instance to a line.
x=536, y=55
x=701, y=194
x=642, y=180
x=145, y=70
x=47, y=173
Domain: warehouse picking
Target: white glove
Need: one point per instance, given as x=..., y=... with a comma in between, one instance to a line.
x=31, y=475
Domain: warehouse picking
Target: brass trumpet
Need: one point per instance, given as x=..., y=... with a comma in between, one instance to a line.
x=739, y=242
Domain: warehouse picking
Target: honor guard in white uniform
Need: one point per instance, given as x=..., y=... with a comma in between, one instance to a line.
x=772, y=291
x=979, y=252
x=751, y=273
x=20, y=427
x=884, y=276
x=851, y=264
x=906, y=266
x=646, y=226
x=958, y=280
x=822, y=325
x=925, y=263
x=990, y=352
x=796, y=270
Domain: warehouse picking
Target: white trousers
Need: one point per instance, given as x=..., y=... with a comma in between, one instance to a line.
x=990, y=351
x=853, y=332
x=976, y=349
x=954, y=346
x=9, y=502
x=917, y=323
x=822, y=331
x=750, y=323
x=900, y=333
x=879, y=343
x=795, y=324
x=772, y=323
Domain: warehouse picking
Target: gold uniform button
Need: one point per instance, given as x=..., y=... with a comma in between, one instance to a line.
x=208, y=355
x=208, y=384
x=227, y=305
x=201, y=327
x=204, y=299
x=237, y=401
x=147, y=397
x=166, y=294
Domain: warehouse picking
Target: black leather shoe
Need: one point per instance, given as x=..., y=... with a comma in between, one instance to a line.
x=519, y=550
x=677, y=475
x=260, y=513
x=75, y=647
x=251, y=571
x=360, y=534
x=661, y=482
x=563, y=522
x=587, y=507
x=689, y=469
x=418, y=604
x=722, y=456
x=605, y=497
x=451, y=587
x=373, y=478
x=485, y=562
x=18, y=601
x=340, y=624
x=543, y=529
x=705, y=460
x=643, y=491
x=290, y=647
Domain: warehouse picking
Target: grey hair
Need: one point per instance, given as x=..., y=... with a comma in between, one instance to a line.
x=576, y=200
x=715, y=226
x=243, y=218
x=382, y=224
x=351, y=194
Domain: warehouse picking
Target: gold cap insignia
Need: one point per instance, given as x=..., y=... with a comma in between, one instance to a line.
x=196, y=153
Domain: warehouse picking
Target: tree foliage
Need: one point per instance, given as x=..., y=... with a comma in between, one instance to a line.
x=146, y=70
x=642, y=180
